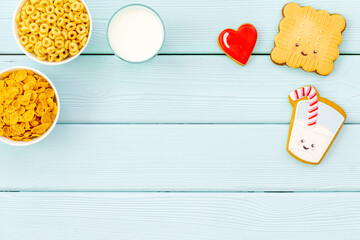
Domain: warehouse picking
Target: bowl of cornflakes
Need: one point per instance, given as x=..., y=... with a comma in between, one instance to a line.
x=29, y=106
x=52, y=32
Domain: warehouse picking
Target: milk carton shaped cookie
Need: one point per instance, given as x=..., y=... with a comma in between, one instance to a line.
x=315, y=123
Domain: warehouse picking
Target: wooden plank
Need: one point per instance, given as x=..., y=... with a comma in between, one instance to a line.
x=178, y=158
x=189, y=89
x=193, y=26
x=210, y=216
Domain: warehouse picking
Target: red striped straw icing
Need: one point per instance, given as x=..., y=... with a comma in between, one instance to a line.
x=311, y=94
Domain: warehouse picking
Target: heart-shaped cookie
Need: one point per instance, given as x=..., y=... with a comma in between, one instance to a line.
x=238, y=45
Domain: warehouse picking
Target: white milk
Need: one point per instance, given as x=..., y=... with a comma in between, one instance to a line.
x=309, y=142
x=136, y=33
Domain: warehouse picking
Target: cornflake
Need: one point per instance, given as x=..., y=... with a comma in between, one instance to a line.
x=28, y=105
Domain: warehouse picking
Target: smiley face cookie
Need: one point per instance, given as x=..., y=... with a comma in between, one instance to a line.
x=315, y=123
x=308, y=39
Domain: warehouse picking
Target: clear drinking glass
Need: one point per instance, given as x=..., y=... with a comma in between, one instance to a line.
x=130, y=7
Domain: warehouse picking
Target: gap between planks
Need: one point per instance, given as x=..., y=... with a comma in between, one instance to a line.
x=175, y=191
x=144, y=123
x=171, y=54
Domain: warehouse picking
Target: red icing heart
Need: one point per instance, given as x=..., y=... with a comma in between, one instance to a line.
x=238, y=45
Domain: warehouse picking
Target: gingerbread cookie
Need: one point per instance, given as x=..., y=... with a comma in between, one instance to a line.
x=308, y=39
x=238, y=45
x=315, y=123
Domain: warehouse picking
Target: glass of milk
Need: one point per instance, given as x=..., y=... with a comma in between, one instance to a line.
x=136, y=33
x=310, y=143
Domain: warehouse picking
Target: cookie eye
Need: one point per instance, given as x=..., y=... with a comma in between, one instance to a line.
x=302, y=140
x=315, y=52
x=312, y=145
x=297, y=44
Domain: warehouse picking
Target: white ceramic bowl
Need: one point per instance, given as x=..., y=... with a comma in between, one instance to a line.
x=37, y=139
x=32, y=55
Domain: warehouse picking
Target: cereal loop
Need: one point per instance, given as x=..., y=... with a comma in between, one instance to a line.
x=56, y=31
x=36, y=15
x=51, y=50
x=60, y=22
x=73, y=46
x=71, y=26
x=58, y=3
x=33, y=39
x=30, y=9
x=72, y=35
x=29, y=47
x=59, y=44
x=50, y=9
x=24, y=40
x=80, y=29
x=75, y=6
x=33, y=27
x=51, y=18
x=53, y=29
x=84, y=17
x=67, y=7
x=59, y=11
x=46, y=42
x=44, y=28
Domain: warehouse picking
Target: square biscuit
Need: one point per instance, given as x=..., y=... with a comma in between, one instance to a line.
x=308, y=39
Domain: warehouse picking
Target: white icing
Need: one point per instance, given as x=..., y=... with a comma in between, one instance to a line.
x=136, y=33
x=318, y=135
x=225, y=40
x=293, y=96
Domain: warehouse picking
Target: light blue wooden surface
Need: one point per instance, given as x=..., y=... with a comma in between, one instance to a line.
x=210, y=216
x=200, y=139
x=192, y=26
x=163, y=157
x=190, y=89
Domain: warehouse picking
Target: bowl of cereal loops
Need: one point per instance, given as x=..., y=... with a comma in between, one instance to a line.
x=29, y=106
x=52, y=32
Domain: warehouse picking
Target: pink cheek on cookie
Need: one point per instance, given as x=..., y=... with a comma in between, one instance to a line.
x=299, y=143
x=313, y=149
x=314, y=57
x=294, y=49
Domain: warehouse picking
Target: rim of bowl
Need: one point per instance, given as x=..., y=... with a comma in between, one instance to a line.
x=37, y=139
x=32, y=55
x=132, y=5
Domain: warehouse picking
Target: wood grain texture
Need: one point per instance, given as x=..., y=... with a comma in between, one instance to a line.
x=193, y=26
x=179, y=216
x=190, y=89
x=183, y=157
x=176, y=158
